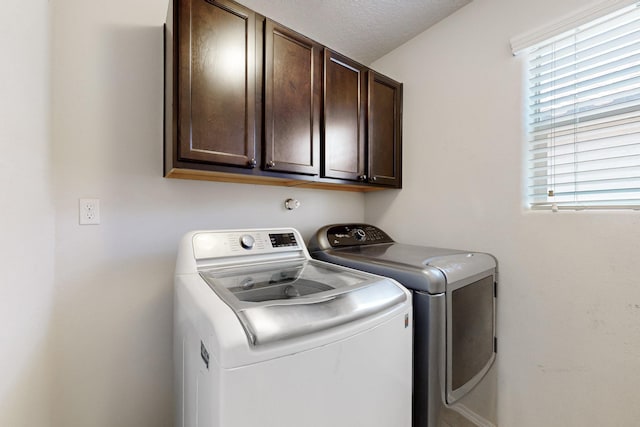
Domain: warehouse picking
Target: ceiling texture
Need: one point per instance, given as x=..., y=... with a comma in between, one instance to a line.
x=364, y=30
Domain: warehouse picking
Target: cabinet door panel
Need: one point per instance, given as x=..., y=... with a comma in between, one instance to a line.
x=385, y=130
x=344, y=131
x=292, y=101
x=217, y=83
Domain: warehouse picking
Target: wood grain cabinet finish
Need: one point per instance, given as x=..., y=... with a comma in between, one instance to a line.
x=293, y=96
x=344, y=118
x=384, y=117
x=216, y=85
x=248, y=100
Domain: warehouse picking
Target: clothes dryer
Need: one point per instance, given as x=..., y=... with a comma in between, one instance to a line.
x=454, y=303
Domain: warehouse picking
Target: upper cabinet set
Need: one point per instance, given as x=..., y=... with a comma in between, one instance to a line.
x=248, y=100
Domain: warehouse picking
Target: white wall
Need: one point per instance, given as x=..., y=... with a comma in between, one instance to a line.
x=26, y=215
x=113, y=282
x=570, y=306
x=569, y=300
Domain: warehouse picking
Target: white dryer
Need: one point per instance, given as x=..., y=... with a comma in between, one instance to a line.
x=265, y=336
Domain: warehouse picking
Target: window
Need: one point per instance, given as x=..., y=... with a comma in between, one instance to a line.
x=584, y=116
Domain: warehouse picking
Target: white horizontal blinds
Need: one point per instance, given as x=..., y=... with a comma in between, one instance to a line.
x=584, y=122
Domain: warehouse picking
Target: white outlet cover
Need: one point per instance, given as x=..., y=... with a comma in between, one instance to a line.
x=89, y=211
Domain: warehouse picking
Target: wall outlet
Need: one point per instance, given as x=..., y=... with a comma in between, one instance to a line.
x=89, y=211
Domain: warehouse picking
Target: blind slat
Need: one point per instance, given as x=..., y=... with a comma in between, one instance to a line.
x=582, y=114
x=576, y=157
x=616, y=60
x=558, y=64
x=622, y=69
x=612, y=89
x=593, y=205
x=563, y=186
x=593, y=174
x=570, y=144
x=609, y=126
x=590, y=165
x=587, y=42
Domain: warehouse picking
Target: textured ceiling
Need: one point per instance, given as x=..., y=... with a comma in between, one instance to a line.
x=364, y=30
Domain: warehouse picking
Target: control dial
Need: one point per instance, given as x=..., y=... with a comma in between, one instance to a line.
x=359, y=234
x=247, y=241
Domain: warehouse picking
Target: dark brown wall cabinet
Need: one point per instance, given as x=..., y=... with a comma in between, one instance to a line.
x=293, y=82
x=384, y=116
x=362, y=123
x=248, y=100
x=216, y=106
x=344, y=117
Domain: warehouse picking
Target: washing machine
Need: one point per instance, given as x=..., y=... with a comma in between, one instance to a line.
x=454, y=303
x=266, y=336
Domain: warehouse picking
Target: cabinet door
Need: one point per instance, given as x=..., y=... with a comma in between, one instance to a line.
x=293, y=82
x=385, y=130
x=344, y=124
x=216, y=92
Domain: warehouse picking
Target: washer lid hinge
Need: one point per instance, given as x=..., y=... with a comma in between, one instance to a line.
x=495, y=289
x=495, y=344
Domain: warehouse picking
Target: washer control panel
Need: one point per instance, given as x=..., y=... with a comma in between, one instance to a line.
x=356, y=234
x=219, y=244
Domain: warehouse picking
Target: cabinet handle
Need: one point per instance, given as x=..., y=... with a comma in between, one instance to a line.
x=252, y=163
x=271, y=164
x=362, y=177
x=373, y=179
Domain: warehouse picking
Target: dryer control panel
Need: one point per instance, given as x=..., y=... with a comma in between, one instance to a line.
x=355, y=235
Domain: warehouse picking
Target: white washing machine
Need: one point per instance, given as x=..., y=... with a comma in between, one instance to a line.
x=265, y=336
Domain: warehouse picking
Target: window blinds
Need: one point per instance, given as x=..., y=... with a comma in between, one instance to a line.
x=584, y=116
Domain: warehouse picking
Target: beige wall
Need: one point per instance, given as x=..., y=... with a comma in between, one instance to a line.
x=107, y=308
x=569, y=299
x=87, y=343
x=26, y=215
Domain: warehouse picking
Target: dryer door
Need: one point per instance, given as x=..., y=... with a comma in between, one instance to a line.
x=471, y=332
x=471, y=306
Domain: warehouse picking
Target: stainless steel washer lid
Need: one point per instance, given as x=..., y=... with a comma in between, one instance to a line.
x=278, y=301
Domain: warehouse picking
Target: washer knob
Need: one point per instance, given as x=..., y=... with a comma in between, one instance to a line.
x=359, y=234
x=247, y=241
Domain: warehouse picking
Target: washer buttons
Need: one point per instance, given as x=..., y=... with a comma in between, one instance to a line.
x=247, y=241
